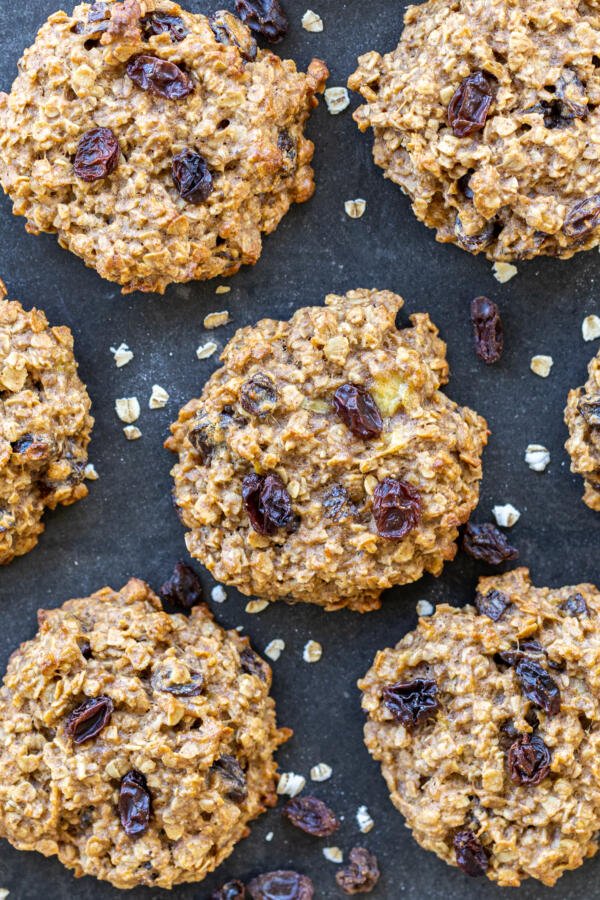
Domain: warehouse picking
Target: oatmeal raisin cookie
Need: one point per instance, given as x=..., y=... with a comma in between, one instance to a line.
x=582, y=416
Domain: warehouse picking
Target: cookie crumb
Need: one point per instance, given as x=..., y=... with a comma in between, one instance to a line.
x=590, y=328
x=4, y=892
x=206, y=350
x=503, y=272
x=223, y=289
x=333, y=854
x=218, y=594
x=425, y=608
x=537, y=457
x=256, y=606
x=158, y=398
x=311, y=21
x=313, y=652
x=364, y=820
x=274, y=649
x=269, y=836
x=321, y=772
x=355, y=208
x=90, y=473
x=132, y=433
x=541, y=365
x=127, y=409
x=122, y=355
x=216, y=319
x=337, y=100
x=290, y=784
x=506, y=516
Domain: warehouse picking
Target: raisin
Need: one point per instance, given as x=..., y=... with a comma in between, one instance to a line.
x=267, y=502
x=86, y=650
x=233, y=890
x=191, y=688
x=31, y=448
x=287, y=145
x=528, y=760
x=474, y=243
x=97, y=23
x=263, y=17
x=281, y=885
x=526, y=649
x=191, y=176
x=396, y=508
x=361, y=875
x=97, y=155
x=464, y=185
x=493, y=604
x=228, y=30
x=412, y=702
x=488, y=544
x=574, y=605
x=470, y=855
x=158, y=76
x=583, y=217
x=508, y=735
x=183, y=588
x=589, y=407
x=89, y=718
x=537, y=686
x=358, y=411
x=470, y=105
x=163, y=23
x=252, y=664
x=258, y=395
x=311, y=815
x=202, y=438
x=336, y=502
x=487, y=329
x=232, y=774
x=135, y=803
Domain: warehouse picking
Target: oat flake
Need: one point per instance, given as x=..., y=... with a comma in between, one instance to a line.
x=590, y=328
x=541, y=365
x=321, y=772
x=218, y=594
x=223, y=289
x=333, y=854
x=122, y=355
x=290, y=784
x=274, y=649
x=364, y=820
x=127, y=409
x=425, y=608
x=313, y=651
x=506, y=516
x=206, y=350
x=256, y=606
x=355, y=208
x=90, y=473
x=158, y=398
x=503, y=272
x=337, y=100
x=216, y=319
x=537, y=457
x=311, y=21
x=132, y=433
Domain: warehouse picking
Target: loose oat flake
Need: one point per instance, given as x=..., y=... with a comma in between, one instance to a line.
x=216, y=319
x=506, y=516
x=290, y=784
x=90, y=473
x=206, y=350
x=364, y=820
x=503, y=272
x=218, y=594
x=537, y=457
x=256, y=606
x=355, y=208
x=337, y=100
x=159, y=397
x=590, y=328
x=313, y=652
x=223, y=289
x=321, y=772
x=541, y=365
x=274, y=649
x=425, y=608
x=122, y=355
x=333, y=854
x=4, y=892
x=127, y=409
x=132, y=433
x=311, y=21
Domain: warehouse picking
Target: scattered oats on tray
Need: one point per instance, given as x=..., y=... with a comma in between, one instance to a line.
x=311, y=21
x=132, y=432
x=274, y=649
x=321, y=772
x=216, y=319
x=256, y=606
x=425, y=608
x=313, y=651
x=218, y=594
x=503, y=271
x=206, y=350
x=355, y=209
x=537, y=457
x=122, y=355
x=127, y=409
x=541, y=365
x=590, y=328
x=506, y=516
x=159, y=397
x=222, y=289
x=90, y=472
x=364, y=820
x=337, y=100
x=290, y=784
x=333, y=854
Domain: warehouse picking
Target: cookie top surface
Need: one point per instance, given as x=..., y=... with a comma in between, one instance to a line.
x=582, y=416
x=532, y=809
x=186, y=708
x=487, y=115
x=276, y=434
x=195, y=89
x=44, y=424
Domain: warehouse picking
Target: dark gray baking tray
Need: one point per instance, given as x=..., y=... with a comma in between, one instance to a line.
x=128, y=527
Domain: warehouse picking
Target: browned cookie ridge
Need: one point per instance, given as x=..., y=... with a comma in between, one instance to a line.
x=322, y=463
x=582, y=416
x=487, y=115
x=486, y=722
x=158, y=144
x=134, y=745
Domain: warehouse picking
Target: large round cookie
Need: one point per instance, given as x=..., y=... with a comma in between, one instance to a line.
x=487, y=725
x=188, y=100
x=582, y=416
x=487, y=115
x=156, y=782
x=322, y=463
x=44, y=425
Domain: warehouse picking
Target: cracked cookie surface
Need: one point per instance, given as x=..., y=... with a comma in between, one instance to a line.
x=582, y=416
x=238, y=110
x=457, y=770
x=350, y=506
x=487, y=115
x=45, y=425
x=189, y=713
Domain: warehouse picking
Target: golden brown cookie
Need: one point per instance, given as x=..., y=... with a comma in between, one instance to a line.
x=158, y=144
x=322, y=463
x=134, y=745
x=486, y=721
x=487, y=115
x=582, y=416
x=44, y=425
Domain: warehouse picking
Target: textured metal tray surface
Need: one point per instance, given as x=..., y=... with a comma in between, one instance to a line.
x=128, y=527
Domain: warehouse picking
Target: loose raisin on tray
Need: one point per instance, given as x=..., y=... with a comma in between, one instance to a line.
x=191, y=688
x=474, y=243
x=574, y=605
x=258, y=395
x=529, y=760
x=311, y=815
x=537, y=686
x=589, y=407
x=281, y=885
x=228, y=30
x=97, y=154
x=493, y=604
x=233, y=890
x=362, y=873
x=487, y=329
x=252, y=664
x=583, y=217
x=191, y=176
x=412, y=702
x=162, y=23
x=158, y=76
x=135, y=803
x=263, y=17
x=396, y=508
x=470, y=855
x=358, y=411
x=470, y=104
x=267, y=503
x=89, y=718
x=232, y=775
x=488, y=544
x=183, y=588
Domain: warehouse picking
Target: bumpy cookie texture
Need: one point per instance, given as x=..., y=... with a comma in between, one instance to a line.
x=190, y=734
x=322, y=463
x=472, y=788
x=487, y=115
x=44, y=425
x=197, y=86
x=582, y=416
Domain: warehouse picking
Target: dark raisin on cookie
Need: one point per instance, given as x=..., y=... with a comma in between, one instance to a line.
x=471, y=856
x=470, y=104
x=89, y=718
x=135, y=803
x=412, y=702
x=493, y=604
x=97, y=155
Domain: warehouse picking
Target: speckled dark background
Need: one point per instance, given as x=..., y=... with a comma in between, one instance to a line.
x=128, y=527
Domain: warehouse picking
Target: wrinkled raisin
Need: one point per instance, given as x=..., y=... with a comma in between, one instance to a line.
x=158, y=76
x=202, y=438
x=470, y=855
x=163, y=23
x=258, y=395
x=252, y=664
x=228, y=30
x=135, y=803
x=311, y=815
x=263, y=17
x=97, y=23
x=487, y=329
x=267, y=502
x=470, y=104
x=413, y=702
x=281, y=885
x=358, y=411
x=537, y=686
x=233, y=890
x=231, y=773
x=97, y=154
x=474, y=243
x=191, y=176
x=527, y=648
x=528, y=760
x=488, y=544
x=191, y=688
x=86, y=650
x=583, y=217
x=362, y=873
x=31, y=448
x=336, y=502
x=464, y=185
x=574, y=605
x=396, y=508
x=287, y=145
x=589, y=407
x=493, y=604
x=183, y=588
x=89, y=718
